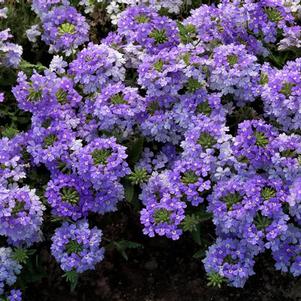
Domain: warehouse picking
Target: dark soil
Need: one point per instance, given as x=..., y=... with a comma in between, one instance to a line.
x=163, y=270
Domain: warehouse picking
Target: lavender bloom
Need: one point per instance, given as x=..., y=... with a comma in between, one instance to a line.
x=42, y=7
x=163, y=212
x=100, y=160
x=150, y=31
x=46, y=145
x=203, y=138
x=234, y=71
x=58, y=65
x=191, y=178
x=232, y=260
x=281, y=95
x=76, y=247
x=34, y=95
x=107, y=196
x=251, y=209
x=14, y=295
x=199, y=105
x=294, y=200
x=12, y=163
x=10, y=53
x=21, y=215
x=162, y=73
x=96, y=66
x=286, y=157
x=253, y=143
x=9, y=268
x=33, y=32
x=64, y=29
x=118, y=106
x=69, y=196
x=287, y=252
x=151, y=161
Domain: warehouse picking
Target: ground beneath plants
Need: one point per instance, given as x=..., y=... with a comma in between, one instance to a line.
x=162, y=270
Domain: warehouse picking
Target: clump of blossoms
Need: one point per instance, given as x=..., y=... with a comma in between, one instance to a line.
x=253, y=143
x=164, y=210
x=64, y=29
x=197, y=117
x=231, y=261
x=234, y=71
x=69, y=196
x=21, y=215
x=116, y=7
x=281, y=95
x=77, y=247
x=9, y=268
x=10, y=53
x=96, y=66
x=119, y=107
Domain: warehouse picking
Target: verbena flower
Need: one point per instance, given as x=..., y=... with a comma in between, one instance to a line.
x=21, y=215
x=96, y=66
x=232, y=260
x=9, y=268
x=76, y=247
x=100, y=160
x=64, y=29
x=69, y=196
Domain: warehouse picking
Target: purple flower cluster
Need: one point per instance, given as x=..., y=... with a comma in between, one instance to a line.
x=10, y=53
x=198, y=117
x=76, y=247
x=64, y=29
x=9, y=268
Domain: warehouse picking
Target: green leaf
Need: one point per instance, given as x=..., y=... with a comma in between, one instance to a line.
x=9, y=132
x=191, y=221
x=72, y=278
x=122, y=245
x=134, y=149
x=129, y=193
x=138, y=176
x=22, y=255
x=215, y=280
x=199, y=254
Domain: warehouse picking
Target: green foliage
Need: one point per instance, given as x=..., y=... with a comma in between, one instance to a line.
x=232, y=60
x=264, y=79
x=189, y=177
x=9, y=132
x=162, y=215
x=138, y=176
x=204, y=108
x=193, y=85
x=72, y=278
x=118, y=99
x=123, y=245
x=261, y=139
x=206, y=140
x=268, y=193
x=22, y=255
x=232, y=199
x=191, y=221
x=28, y=68
x=215, y=280
x=261, y=222
x=100, y=156
x=159, y=65
x=69, y=195
x=159, y=35
x=286, y=89
x=187, y=32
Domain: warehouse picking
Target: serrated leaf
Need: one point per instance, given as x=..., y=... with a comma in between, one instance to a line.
x=123, y=245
